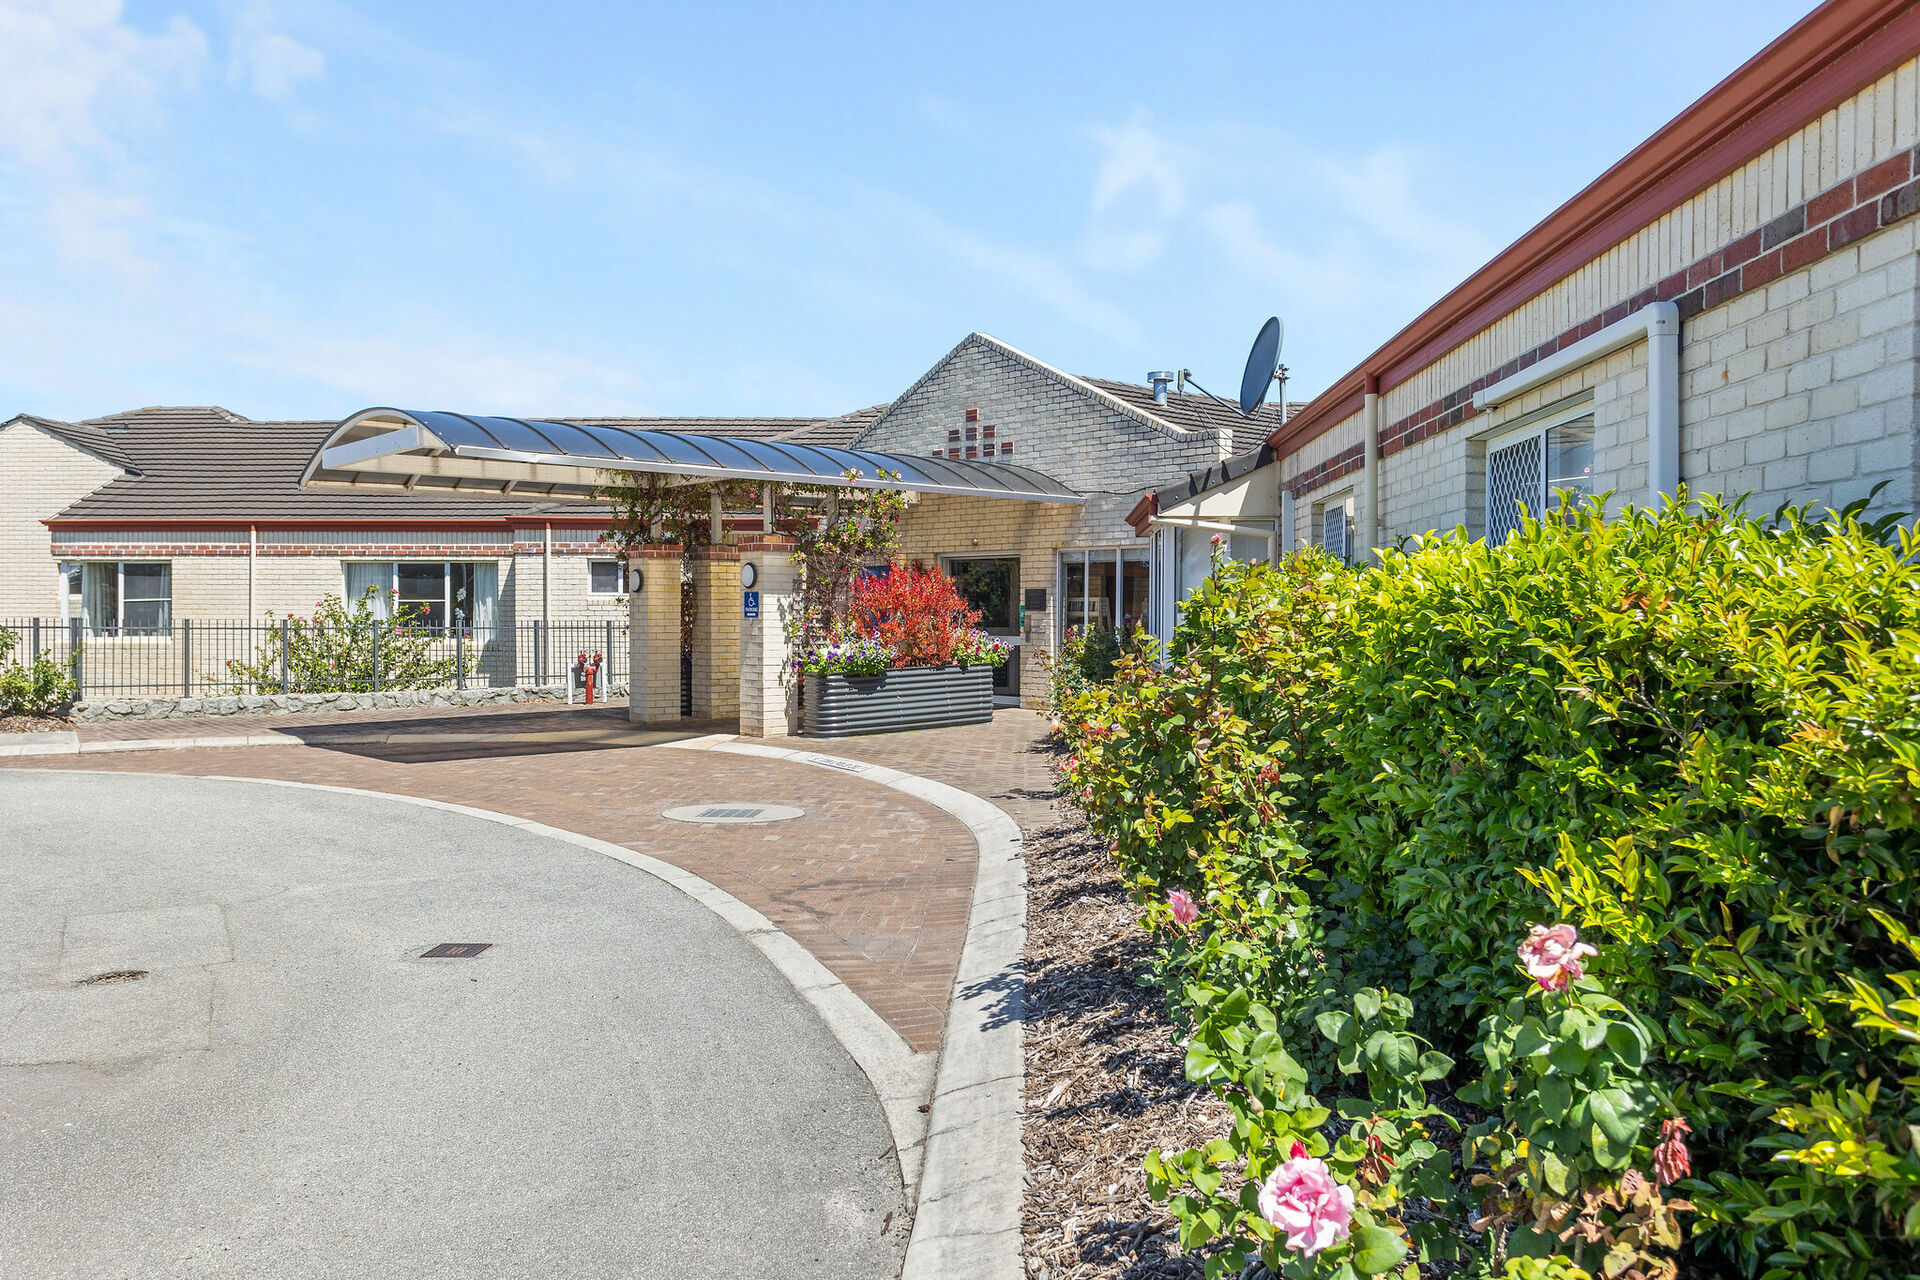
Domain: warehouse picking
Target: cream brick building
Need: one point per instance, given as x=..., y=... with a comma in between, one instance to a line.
x=1732, y=307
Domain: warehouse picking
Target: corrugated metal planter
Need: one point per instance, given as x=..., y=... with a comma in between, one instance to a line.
x=905, y=698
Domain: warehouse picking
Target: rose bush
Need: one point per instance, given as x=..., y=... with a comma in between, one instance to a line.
x=1691, y=735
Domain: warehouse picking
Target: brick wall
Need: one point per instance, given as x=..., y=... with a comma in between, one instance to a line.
x=39, y=475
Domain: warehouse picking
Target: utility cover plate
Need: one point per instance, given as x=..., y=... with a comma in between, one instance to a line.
x=455, y=951
x=732, y=811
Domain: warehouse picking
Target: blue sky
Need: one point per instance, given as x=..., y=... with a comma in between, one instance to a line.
x=301, y=209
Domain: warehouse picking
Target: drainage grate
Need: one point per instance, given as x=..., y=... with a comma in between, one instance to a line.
x=455, y=951
x=725, y=813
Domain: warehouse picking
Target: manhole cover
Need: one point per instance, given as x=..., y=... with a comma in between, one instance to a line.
x=118, y=975
x=732, y=812
x=455, y=951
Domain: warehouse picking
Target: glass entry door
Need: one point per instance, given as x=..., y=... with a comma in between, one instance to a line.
x=993, y=587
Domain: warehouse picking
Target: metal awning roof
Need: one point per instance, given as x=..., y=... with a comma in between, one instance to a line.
x=459, y=455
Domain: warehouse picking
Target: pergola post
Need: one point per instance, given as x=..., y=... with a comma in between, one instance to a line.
x=653, y=633
x=769, y=691
x=716, y=632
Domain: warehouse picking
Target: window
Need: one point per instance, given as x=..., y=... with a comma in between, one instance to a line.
x=1106, y=587
x=992, y=587
x=126, y=598
x=1530, y=468
x=603, y=577
x=1334, y=531
x=437, y=593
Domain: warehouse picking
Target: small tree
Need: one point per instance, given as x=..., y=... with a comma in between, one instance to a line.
x=38, y=688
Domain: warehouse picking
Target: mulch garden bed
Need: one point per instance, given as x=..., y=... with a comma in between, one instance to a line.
x=1105, y=1083
x=32, y=724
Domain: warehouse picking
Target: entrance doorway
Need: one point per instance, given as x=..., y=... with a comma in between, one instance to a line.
x=991, y=584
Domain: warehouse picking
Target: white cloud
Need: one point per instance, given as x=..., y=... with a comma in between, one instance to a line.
x=73, y=72
x=273, y=64
x=1138, y=194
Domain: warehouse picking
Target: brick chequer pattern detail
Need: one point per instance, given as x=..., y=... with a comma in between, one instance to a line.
x=1878, y=197
x=1344, y=463
x=874, y=883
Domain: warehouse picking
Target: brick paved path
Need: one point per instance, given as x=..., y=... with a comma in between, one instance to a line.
x=875, y=884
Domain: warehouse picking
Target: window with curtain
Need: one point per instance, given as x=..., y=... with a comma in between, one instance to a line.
x=435, y=593
x=127, y=598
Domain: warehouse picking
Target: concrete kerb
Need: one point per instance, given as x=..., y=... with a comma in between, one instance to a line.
x=967, y=1215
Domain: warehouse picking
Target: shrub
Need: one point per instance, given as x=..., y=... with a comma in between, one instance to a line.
x=916, y=612
x=1694, y=735
x=336, y=650
x=41, y=687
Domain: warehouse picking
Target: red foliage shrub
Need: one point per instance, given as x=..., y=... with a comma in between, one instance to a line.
x=917, y=611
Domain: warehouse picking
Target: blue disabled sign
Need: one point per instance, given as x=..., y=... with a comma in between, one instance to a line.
x=750, y=604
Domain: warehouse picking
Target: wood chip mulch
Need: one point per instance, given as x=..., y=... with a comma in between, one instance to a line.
x=32, y=724
x=1104, y=1077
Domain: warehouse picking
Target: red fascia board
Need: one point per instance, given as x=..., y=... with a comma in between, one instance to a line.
x=423, y=525
x=1821, y=61
x=1143, y=511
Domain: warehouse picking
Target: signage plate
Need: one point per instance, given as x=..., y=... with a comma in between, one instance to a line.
x=750, y=604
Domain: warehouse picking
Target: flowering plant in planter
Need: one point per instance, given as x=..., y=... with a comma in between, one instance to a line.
x=918, y=612
x=852, y=656
x=978, y=649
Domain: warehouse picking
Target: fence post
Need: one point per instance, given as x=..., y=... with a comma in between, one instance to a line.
x=606, y=656
x=376, y=657
x=459, y=657
x=74, y=659
x=286, y=654
x=539, y=653
x=34, y=655
x=186, y=657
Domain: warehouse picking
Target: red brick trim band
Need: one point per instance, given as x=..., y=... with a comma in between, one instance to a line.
x=1341, y=464
x=1867, y=202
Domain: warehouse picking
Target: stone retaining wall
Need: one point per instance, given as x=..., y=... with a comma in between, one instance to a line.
x=272, y=704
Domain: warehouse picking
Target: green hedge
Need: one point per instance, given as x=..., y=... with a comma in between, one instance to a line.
x=1692, y=734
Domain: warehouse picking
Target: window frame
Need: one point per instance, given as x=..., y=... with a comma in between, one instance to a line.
x=119, y=630
x=619, y=578
x=1534, y=426
x=446, y=585
x=1121, y=554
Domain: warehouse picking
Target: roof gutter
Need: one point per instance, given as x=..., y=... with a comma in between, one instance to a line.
x=1819, y=62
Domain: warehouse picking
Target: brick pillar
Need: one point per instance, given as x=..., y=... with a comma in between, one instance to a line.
x=716, y=632
x=653, y=634
x=769, y=701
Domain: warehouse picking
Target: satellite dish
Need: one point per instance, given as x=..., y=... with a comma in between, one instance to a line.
x=1262, y=362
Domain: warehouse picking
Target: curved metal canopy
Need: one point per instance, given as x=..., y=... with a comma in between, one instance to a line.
x=457, y=455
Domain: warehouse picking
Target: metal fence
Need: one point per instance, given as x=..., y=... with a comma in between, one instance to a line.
x=210, y=659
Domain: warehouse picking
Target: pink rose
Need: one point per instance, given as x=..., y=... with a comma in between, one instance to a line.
x=1185, y=909
x=1216, y=539
x=1552, y=956
x=1302, y=1199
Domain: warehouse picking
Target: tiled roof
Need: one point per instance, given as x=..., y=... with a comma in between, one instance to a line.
x=207, y=462
x=1196, y=412
x=84, y=435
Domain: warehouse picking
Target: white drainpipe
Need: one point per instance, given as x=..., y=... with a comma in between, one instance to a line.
x=1659, y=324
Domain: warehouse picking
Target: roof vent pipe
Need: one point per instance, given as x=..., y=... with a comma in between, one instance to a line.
x=1158, y=380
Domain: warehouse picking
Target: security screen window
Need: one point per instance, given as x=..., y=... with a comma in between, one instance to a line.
x=1532, y=470
x=603, y=577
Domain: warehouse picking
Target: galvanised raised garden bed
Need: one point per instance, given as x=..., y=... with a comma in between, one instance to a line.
x=838, y=706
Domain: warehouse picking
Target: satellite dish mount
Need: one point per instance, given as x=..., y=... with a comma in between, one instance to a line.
x=1263, y=370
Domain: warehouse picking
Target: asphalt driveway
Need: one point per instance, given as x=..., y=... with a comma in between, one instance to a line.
x=618, y=1086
